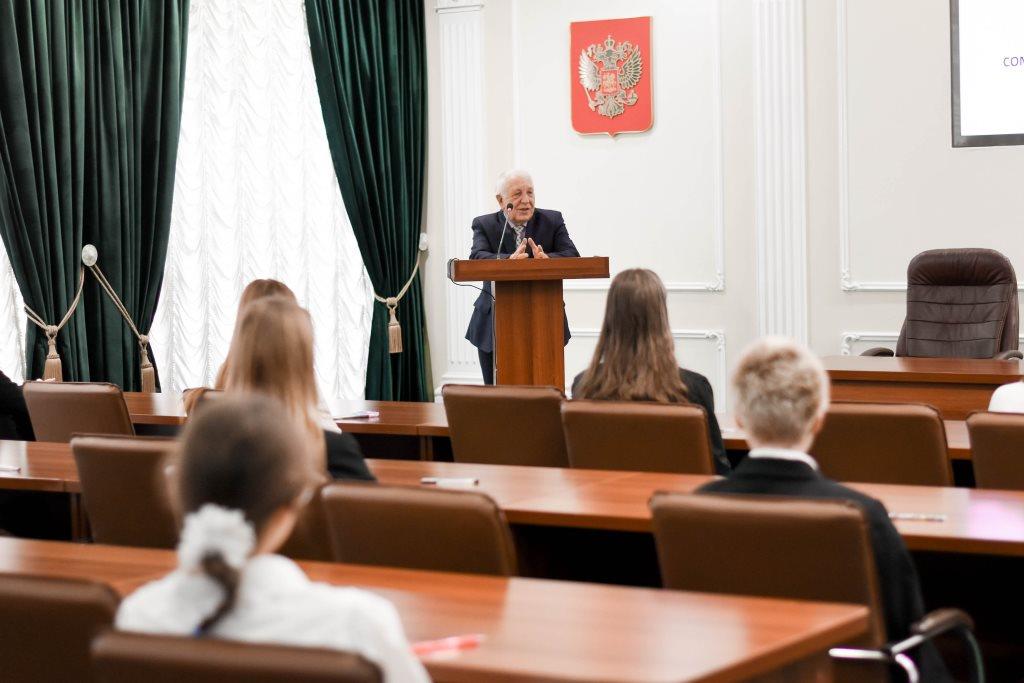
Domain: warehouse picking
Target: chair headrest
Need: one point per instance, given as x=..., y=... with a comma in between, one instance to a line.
x=959, y=267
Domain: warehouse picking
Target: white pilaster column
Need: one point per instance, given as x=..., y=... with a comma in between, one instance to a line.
x=781, y=209
x=461, y=30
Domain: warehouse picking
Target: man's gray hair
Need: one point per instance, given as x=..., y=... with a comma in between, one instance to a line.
x=507, y=177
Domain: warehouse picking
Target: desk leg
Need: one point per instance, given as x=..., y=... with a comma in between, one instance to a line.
x=426, y=448
x=80, y=531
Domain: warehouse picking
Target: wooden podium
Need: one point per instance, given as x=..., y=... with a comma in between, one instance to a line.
x=528, y=335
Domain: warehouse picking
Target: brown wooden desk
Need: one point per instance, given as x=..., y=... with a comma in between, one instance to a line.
x=957, y=387
x=535, y=629
x=978, y=521
x=423, y=423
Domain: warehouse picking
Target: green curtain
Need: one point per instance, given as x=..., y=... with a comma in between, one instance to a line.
x=90, y=105
x=370, y=65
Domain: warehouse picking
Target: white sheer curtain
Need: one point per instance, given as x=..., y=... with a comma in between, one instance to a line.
x=12, y=318
x=256, y=196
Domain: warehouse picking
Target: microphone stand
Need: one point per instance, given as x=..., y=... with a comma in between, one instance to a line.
x=509, y=208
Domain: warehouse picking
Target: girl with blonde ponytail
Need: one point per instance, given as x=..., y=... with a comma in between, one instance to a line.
x=243, y=476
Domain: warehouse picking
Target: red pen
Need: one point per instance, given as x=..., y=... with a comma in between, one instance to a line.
x=463, y=642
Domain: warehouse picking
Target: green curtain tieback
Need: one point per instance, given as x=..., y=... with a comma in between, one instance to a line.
x=52, y=367
x=146, y=370
x=394, y=327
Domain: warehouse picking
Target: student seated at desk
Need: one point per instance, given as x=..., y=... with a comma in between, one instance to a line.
x=272, y=353
x=14, y=421
x=1008, y=398
x=243, y=476
x=635, y=358
x=780, y=390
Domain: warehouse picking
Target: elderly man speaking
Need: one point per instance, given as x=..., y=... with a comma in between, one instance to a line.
x=531, y=233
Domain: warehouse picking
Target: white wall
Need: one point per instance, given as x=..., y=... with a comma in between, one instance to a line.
x=882, y=181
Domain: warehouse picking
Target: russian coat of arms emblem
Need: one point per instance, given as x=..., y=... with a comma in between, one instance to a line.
x=610, y=76
x=611, y=71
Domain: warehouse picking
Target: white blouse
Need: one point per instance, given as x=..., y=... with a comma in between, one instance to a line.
x=1008, y=398
x=277, y=603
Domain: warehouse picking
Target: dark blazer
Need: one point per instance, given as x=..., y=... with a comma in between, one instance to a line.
x=699, y=392
x=898, y=582
x=345, y=458
x=14, y=420
x=547, y=228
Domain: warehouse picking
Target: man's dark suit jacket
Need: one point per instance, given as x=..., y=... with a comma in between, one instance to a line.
x=900, y=589
x=698, y=392
x=547, y=228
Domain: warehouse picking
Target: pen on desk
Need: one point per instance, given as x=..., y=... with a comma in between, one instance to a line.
x=9, y=468
x=449, y=481
x=464, y=642
x=916, y=517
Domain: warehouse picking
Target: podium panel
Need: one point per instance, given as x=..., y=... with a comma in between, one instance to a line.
x=529, y=337
x=528, y=333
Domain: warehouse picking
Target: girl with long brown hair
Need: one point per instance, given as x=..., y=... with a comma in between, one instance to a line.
x=272, y=353
x=242, y=478
x=635, y=357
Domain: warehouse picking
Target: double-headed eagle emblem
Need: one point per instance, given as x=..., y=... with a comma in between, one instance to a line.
x=613, y=82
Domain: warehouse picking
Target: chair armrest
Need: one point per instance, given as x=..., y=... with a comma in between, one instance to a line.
x=928, y=628
x=879, y=351
x=1009, y=355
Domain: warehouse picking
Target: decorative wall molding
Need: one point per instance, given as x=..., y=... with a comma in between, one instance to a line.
x=848, y=339
x=718, y=163
x=463, y=149
x=448, y=6
x=847, y=281
x=780, y=182
x=716, y=336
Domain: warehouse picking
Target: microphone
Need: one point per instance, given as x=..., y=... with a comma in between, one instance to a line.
x=508, y=207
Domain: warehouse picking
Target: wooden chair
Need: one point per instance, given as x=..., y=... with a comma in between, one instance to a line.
x=126, y=490
x=310, y=539
x=129, y=657
x=60, y=409
x=46, y=626
x=637, y=436
x=884, y=443
x=997, y=450
x=506, y=425
x=402, y=526
x=792, y=548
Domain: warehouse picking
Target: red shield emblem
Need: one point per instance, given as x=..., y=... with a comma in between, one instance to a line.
x=610, y=66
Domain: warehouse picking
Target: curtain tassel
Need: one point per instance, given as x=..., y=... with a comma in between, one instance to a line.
x=146, y=371
x=52, y=368
x=394, y=327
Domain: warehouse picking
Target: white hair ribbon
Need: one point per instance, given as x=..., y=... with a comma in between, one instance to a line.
x=216, y=529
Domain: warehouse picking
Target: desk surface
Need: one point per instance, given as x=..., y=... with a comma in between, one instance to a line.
x=944, y=370
x=977, y=521
x=535, y=629
x=409, y=418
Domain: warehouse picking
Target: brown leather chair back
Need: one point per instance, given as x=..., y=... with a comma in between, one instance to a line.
x=126, y=489
x=60, y=409
x=997, y=449
x=637, y=436
x=310, y=540
x=46, y=626
x=120, y=657
x=506, y=425
x=403, y=526
x=773, y=547
x=961, y=303
x=884, y=443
